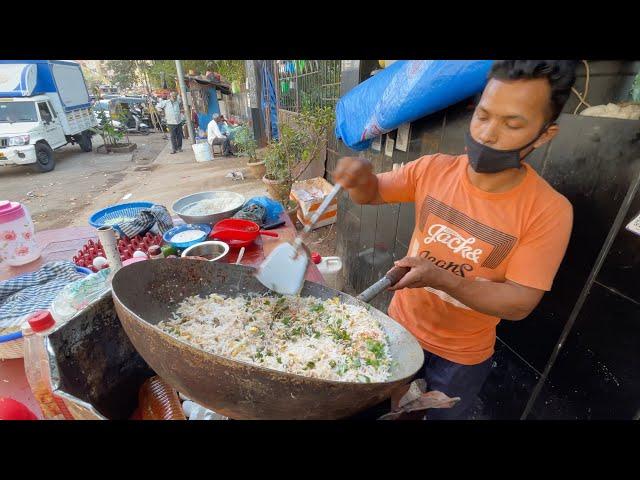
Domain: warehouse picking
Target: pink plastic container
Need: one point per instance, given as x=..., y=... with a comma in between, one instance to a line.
x=18, y=244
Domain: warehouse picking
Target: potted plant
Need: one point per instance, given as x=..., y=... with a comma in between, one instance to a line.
x=316, y=122
x=287, y=159
x=246, y=144
x=112, y=135
x=277, y=177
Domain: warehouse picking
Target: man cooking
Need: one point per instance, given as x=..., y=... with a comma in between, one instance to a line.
x=490, y=232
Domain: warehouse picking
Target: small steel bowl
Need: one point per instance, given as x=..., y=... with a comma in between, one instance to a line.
x=181, y=204
x=212, y=250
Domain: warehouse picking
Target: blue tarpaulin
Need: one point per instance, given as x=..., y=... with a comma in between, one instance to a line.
x=403, y=92
x=267, y=86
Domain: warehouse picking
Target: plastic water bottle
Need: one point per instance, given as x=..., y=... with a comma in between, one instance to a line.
x=36, y=366
x=330, y=268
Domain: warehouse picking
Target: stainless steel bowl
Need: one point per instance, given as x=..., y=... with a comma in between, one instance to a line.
x=212, y=250
x=180, y=205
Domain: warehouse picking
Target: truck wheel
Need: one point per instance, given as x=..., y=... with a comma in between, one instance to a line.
x=84, y=140
x=44, y=157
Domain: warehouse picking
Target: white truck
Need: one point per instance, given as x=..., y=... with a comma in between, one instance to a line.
x=44, y=105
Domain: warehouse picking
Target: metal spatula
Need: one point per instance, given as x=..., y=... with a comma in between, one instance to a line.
x=283, y=270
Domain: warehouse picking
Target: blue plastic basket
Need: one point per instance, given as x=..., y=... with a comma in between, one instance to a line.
x=124, y=210
x=11, y=345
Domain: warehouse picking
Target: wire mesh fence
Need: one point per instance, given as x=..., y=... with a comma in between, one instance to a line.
x=305, y=84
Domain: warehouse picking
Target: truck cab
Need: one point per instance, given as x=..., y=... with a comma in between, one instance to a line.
x=37, y=117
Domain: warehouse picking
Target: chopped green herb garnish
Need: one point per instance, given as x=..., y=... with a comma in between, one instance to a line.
x=339, y=333
x=374, y=363
x=377, y=348
x=317, y=308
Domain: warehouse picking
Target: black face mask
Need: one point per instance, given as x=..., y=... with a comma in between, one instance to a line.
x=484, y=159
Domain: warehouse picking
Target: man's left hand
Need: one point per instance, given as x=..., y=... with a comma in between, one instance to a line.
x=423, y=273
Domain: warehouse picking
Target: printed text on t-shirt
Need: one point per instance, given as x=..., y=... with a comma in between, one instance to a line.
x=452, y=239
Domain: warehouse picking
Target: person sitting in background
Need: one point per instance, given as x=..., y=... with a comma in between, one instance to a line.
x=226, y=129
x=223, y=125
x=216, y=137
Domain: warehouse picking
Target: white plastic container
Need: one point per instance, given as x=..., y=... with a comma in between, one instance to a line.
x=331, y=270
x=203, y=152
x=18, y=244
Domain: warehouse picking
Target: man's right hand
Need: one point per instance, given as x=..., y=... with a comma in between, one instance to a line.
x=355, y=174
x=352, y=172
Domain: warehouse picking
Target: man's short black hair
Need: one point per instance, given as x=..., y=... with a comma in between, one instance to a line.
x=561, y=75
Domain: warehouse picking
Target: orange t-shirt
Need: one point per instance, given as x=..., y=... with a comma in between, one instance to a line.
x=519, y=235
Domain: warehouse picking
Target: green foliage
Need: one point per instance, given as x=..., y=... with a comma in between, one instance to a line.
x=129, y=73
x=107, y=130
x=123, y=116
x=300, y=141
x=125, y=73
x=245, y=143
x=282, y=156
x=635, y=89
x=318, y=120
x=231, y=70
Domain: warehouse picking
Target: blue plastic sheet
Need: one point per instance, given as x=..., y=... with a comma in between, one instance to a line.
x=403, y=92
x=273, y=208
x=267, y=85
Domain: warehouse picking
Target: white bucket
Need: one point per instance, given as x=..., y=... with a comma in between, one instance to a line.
x=203, y=152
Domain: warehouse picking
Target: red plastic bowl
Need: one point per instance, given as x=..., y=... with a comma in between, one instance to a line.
x=11, y=409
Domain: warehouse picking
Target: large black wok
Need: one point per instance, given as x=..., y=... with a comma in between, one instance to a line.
x=145, y=293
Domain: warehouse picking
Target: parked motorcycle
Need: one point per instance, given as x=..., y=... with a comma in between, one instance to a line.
x=143, y=114
x=133, y=124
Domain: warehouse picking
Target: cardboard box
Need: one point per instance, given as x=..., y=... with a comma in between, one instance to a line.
x=310, y=194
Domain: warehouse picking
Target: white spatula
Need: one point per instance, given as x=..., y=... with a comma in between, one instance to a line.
x=283, y=270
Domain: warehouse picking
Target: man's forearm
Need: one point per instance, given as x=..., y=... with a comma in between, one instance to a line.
x=367, y=193
x=497, y=299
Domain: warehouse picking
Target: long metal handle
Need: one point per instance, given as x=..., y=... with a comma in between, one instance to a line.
x=316, y=216
x=389, y=280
